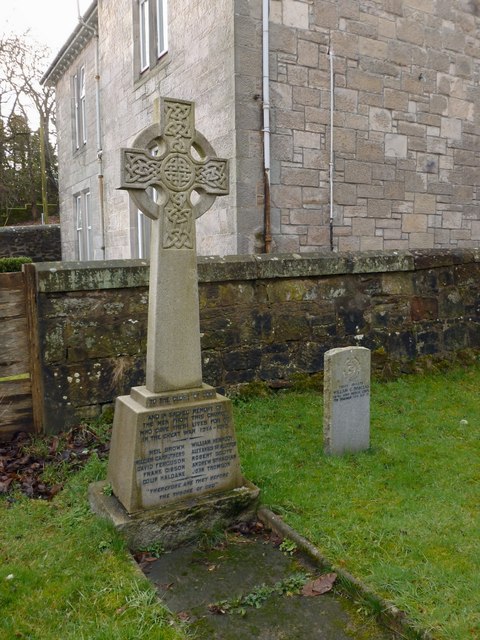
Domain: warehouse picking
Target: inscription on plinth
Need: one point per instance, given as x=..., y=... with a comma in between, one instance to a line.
x=346, y=400
x=182, y=448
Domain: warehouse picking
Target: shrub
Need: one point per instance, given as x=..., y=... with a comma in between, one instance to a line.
x=13, y=264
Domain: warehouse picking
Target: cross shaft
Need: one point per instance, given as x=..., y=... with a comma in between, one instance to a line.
x=161, y=162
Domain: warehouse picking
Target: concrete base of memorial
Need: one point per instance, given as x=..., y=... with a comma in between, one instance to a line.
x=174, y=525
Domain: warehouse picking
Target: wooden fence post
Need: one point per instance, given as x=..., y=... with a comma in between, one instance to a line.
x=31, y=303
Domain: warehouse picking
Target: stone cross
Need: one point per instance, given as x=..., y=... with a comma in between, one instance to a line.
x=170, y=165
x=173, y=440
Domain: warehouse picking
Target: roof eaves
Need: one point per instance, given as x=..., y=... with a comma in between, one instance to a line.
x=83, y=33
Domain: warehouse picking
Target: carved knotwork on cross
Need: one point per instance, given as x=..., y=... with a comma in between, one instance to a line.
x=161, y=159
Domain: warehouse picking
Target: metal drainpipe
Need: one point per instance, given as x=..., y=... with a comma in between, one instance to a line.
x=101, y=189
x=331, y=163
x=266, y=124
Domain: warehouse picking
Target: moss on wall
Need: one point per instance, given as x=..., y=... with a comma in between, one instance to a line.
x=265, y=319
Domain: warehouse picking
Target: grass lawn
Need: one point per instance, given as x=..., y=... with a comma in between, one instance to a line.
x=404, y=516
x=65, y=574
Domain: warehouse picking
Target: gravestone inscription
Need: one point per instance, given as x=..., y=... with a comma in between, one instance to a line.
x=346, y=423
x=173, y=439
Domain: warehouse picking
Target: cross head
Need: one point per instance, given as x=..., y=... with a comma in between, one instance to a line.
x=161, y=173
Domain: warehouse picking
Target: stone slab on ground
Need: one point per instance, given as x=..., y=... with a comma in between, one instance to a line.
x=191, y=578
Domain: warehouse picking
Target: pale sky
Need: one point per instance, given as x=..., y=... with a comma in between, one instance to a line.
x=50, y=21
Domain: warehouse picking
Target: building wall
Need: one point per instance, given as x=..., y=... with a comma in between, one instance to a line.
x=78, y=170
x=248, y=126
x=201, y=68
x=198, y=67
x=267, y=318
x=406, y=123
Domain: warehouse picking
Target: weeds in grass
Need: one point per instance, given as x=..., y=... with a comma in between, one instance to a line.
x=288, y=547
x=155, y=550
x=211, y=538
x=261, y=593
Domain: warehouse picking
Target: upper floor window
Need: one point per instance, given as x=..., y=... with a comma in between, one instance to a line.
x=151, y=20
x=144, y=34
x=79, y=96
x=162, y=44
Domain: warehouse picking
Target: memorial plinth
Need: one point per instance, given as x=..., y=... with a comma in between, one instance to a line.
x=170, y=447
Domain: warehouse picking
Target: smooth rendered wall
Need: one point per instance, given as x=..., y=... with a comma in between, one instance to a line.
x=78, y=169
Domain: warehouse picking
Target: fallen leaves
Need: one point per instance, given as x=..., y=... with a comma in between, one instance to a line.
x=218, y=609
x=320, y=585
x=38, y=467
x=144, y=559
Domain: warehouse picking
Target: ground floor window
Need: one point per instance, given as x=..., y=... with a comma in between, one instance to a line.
x=84, y=234
x=143, y=235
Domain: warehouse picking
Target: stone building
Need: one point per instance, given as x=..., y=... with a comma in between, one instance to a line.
x=350, y=124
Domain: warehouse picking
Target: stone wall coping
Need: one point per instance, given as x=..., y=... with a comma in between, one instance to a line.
x=28, y=228
x=119, y=274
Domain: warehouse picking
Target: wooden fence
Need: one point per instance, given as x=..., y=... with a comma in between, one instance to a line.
x=16, y=412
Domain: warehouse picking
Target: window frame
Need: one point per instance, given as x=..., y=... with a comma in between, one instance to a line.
x=83, y=225
x=83, y=101
x=79, y=108
x=151, y=33
x=162, y=27
x=78, y=226
x=144, y=33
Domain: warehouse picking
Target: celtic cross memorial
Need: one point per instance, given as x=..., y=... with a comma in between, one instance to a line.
x=173, y=439
x=162, y=186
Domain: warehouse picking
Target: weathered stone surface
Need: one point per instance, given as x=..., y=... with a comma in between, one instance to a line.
x=346, y=407
x=173, y=337
x=41, y=243
x=175, y=525
x=244, y=301
x=171, y=446
x=172, y=439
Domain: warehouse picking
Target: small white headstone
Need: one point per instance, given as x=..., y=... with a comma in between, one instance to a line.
x=346, y=421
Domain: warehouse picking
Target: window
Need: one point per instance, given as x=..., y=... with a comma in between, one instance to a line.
x=79, y=229
x=152, y=32
x=144, y=225
x=144, y=35
x=84, y=233
x=162, y=45
x=79, y=95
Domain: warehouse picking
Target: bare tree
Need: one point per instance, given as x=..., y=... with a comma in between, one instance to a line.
x=22, y=64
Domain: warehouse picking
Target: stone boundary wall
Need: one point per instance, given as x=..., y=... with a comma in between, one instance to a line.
x=262, y=318
x=39, y=242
